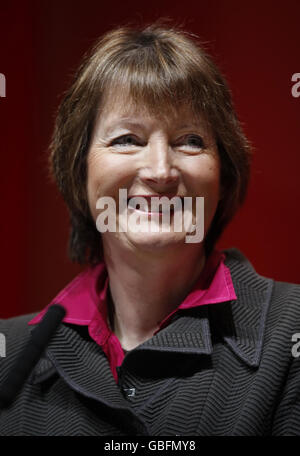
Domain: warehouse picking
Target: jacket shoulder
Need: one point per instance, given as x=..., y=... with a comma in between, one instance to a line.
x=243, y=270
x=284, y=297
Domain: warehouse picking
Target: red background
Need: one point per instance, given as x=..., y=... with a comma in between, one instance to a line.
x=256, y=44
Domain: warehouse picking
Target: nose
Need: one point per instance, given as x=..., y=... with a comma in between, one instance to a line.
x=159, y=169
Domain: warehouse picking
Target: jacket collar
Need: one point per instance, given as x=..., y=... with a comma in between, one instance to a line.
x=240, y=323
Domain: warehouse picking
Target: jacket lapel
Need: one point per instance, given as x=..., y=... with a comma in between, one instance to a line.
x=82, y=364
x=246, y=317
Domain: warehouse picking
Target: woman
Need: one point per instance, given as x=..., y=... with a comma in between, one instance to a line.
x=161, y=336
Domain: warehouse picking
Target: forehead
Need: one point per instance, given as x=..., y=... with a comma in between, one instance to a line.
x=118, y=106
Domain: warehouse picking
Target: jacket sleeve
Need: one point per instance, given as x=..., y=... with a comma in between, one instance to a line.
x=286, y=419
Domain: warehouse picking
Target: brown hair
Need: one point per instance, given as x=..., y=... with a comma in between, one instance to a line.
x=162, y=66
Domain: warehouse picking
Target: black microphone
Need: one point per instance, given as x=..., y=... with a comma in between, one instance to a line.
x=40, y=338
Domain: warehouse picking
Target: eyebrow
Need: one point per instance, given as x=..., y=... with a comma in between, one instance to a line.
x=126, y=122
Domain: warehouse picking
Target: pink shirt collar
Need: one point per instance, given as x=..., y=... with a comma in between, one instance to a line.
x=84, y=300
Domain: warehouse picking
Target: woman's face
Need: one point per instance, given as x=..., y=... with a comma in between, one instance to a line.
x=167, y=155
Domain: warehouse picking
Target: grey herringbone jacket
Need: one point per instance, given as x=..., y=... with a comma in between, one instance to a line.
x=224, y=369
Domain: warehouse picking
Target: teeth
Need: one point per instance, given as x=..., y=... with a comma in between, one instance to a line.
x=152, y=205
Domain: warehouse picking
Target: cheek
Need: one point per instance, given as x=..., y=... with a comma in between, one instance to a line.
x=205, y=178
x=205, y=181
x=106, y=173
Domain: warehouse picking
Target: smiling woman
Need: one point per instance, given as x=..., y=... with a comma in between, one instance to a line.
x=161, y=336
x=162, y=75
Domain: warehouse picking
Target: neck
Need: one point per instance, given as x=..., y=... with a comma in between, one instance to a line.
x=146, y=286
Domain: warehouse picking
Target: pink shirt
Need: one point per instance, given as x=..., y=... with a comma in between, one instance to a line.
x=85, y=302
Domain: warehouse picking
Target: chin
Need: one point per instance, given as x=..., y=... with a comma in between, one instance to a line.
x=155, y=241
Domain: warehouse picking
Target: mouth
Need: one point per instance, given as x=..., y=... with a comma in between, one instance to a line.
x=150, y=204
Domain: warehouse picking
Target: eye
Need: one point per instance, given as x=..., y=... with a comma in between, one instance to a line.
x=125, y=140
x=192, y=142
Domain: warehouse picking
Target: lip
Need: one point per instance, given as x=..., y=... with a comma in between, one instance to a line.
x=168, y=195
